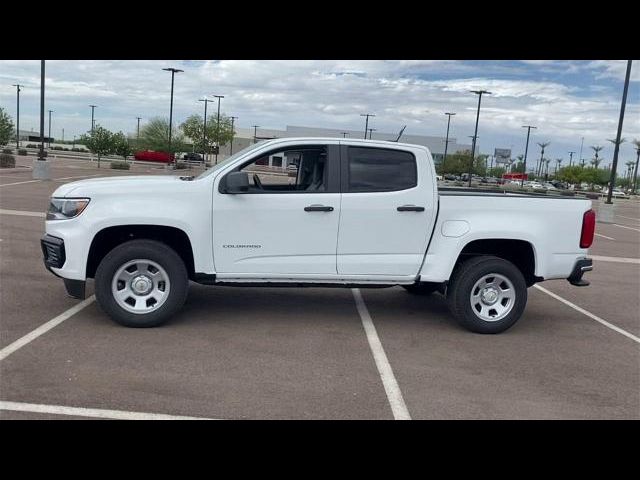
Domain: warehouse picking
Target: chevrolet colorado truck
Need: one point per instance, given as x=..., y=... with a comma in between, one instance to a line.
x=357, y=213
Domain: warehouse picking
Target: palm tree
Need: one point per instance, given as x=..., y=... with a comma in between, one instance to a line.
x=542, y=145
x=597, y=149
x=635, y=171
x=558, y=162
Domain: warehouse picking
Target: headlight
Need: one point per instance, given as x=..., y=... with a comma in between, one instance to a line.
x=66, y=208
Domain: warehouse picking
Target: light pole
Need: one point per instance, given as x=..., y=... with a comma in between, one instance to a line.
x=580, y=155
x=475, y=135
x=17, y=85
x=63, y=135
x=446, y=142
x=255, y=133
x=204, y=130
x=371, y=130
x=173, y=73
x=526, y=150
x=344, y=134
x=612, y=178
x=42, y=68
x=218, y=128
x=366, y=125
x=74, y=142
x=138, y=133
x=92, y=109
x=232, y=135
x=571, y=158
x=50, y=128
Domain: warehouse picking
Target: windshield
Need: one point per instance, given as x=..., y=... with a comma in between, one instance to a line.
x=236, y=155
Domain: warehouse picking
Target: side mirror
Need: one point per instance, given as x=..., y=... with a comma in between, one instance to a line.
x=237, y=182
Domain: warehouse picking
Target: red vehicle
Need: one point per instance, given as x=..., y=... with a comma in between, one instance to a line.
x=515, y=176
x=153, y=156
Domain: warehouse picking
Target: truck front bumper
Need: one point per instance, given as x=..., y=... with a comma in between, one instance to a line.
x=583, y=265
x=55, y=256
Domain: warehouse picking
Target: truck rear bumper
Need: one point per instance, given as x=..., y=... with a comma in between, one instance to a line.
x=583, y=265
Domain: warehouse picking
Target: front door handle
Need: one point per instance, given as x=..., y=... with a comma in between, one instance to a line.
x=318, y=208
x=410, y=208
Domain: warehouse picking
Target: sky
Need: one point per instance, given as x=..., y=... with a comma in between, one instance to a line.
x=565, y=100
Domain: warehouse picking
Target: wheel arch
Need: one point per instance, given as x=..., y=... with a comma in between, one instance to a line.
x=110, y=237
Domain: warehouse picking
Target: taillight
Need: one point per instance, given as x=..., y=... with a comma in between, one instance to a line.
x=588, y=228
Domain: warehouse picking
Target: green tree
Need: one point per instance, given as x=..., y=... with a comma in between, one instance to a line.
x=497, y=172
x=121, y=145
x=193, y=127
x=155, y=136
x=99, y=141
x=6, y=127
x=571, y=175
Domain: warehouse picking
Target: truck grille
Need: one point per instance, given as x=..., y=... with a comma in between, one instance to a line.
x=53, y=251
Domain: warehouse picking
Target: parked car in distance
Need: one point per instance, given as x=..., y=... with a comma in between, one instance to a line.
x=450, y=176
x=153, y=156
x=617, y=193
x=549, y=186
x=193, y=157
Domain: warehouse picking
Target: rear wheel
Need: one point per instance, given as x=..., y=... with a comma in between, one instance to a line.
x=487, y=294
x=141, y=283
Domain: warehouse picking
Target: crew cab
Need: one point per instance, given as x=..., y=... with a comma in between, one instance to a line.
x=357, y=213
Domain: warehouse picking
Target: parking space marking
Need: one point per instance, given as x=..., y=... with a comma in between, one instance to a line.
x=22, y=213
x=19, y=183
x=589, y=314
x=616, y=259
x=628, y=218
x=44, y=328
x=391, y=387
x=604, y=236
x=91, y=412
x=625, y=226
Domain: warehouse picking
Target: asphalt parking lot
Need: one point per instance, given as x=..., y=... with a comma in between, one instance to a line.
x=312, y=353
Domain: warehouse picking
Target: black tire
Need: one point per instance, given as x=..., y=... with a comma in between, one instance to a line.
x=422, y=288
x=460, y=288
x=153, y=250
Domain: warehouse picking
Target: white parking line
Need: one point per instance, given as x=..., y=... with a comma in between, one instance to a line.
x=625, y=226
x=44, y=328
x=604, y=236
x=22, y=213
x=628, y=218
x=589, y=314
x=55, y=180
x=90, y=412
x=18, y=183
x=391, y=387
x=616, y=259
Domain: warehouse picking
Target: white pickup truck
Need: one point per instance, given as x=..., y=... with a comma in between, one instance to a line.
x=313, y=212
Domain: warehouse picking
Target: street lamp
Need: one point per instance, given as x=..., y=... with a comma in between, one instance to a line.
x=371, y=130
x=635, y=174
x=612, y=178
x=50, y=128
x=138, y=133
x=218, y=128
x=232, y=135
x=446, y=142
x=255, y=133
x=92, y=122
x=204, y=131
x=173, y=73
x=42, y=69
x=344, y=134
x=366, y=125
x=17, y=85
x=526, y=150
x=475, y=135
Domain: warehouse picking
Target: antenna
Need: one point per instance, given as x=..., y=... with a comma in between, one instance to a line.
x=400, y=134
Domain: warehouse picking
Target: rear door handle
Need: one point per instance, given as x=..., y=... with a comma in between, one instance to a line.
x=318, y=208
x=410, y=208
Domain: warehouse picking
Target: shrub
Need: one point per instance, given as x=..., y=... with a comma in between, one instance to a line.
x=7, y=151
x=181, y=166
x=32, y=145
x=22, y=151
x=65, y=149
x=76, y=149
x=55, y=147
x=120, y=165
x=7, y=161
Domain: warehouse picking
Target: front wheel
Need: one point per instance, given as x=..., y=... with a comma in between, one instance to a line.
x=141, y=283
x=487, y=294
